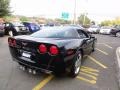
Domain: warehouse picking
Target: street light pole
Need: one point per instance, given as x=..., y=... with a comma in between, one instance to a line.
x=74, y=20
x=84, y=19
x=85, y=14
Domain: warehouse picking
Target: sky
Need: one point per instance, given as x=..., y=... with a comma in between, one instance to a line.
x=97, y=10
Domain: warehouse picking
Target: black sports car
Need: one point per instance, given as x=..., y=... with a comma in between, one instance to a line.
x=55, y=49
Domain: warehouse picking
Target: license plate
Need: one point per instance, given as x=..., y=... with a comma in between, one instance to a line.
x=27, y=55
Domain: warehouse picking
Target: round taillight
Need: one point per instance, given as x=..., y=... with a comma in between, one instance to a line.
x=42, y=48
x=14, y=42
x=54, y=50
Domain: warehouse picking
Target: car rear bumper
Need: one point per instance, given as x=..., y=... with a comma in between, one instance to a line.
x=104, y=32
x=59, y=68
x=29, y=66
x=41, y=63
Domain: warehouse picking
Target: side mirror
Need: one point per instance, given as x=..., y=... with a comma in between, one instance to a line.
x=90, y=36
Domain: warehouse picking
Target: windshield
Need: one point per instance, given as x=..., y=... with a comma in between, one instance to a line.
x=106, y=27
x=55, y=33
x=17, y=24
x=94, y=27
x=34, y=26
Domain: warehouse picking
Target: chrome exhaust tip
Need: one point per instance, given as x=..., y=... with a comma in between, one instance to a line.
x=20, y=67
x=48, y=72
x=34, y=72
x=23, y=68
x=30, y=70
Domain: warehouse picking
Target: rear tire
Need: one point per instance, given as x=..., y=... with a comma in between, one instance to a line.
x=76, y=65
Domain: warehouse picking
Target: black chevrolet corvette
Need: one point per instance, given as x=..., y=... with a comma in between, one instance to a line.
x=54, y=49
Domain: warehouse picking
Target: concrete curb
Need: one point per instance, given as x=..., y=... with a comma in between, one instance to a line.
x=118, y=64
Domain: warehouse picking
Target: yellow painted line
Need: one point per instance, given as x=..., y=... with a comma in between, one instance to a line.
x=97, y=62
x=86, y=80
x=88, y=75
x=89, y=68
x=102, y=51
x=43, y=83
x=107, y=45
x=87, y=71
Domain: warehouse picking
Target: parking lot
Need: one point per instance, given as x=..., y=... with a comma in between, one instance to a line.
x=98, y=72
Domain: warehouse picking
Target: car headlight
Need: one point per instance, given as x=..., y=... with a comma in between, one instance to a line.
x=17, y=29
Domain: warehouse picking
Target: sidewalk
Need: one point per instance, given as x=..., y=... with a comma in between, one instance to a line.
x=118, y=62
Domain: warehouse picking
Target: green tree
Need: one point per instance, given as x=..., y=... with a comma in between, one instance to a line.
x=83, y=19
x=106, y=23
x=4, y=8
x=93, y=23
x=62, y=21
x=23, y=18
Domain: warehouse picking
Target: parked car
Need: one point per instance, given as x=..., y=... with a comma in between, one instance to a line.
x=15, y=28
x=2, y=31
x=105, y=30
x=94, y=29
x=115, y=31
x=32, y=26
x=55, y=49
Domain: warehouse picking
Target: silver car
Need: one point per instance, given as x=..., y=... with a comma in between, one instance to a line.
x=105, y=30
x=94, y=29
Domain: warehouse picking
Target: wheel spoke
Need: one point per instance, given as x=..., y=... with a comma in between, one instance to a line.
x=77, y=64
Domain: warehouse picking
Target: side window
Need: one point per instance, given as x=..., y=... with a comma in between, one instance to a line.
x=71, y=34
x=7, y=24
x=82, y=34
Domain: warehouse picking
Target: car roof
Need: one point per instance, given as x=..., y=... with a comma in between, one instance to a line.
x=63, y=28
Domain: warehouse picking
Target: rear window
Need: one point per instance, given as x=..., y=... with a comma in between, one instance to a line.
x=55, y=33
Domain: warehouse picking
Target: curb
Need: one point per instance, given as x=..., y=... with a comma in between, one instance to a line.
x=118, y=64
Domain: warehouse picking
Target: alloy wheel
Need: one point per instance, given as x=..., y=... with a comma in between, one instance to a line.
x=118, y=34
x=78, y=64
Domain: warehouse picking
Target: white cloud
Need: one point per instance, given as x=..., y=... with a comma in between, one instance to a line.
x=96, y=9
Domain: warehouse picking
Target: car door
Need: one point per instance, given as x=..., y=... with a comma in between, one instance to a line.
x=87, y=42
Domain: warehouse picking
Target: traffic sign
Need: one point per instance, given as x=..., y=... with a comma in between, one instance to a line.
x=65, y=15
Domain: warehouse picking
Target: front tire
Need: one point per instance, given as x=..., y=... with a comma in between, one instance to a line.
x=118, y=34
x=10, y=33
x=93, y=47
x=76, y=65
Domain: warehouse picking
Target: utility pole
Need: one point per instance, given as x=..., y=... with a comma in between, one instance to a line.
x=84, y=19
x=85, y=14
x=74, y=20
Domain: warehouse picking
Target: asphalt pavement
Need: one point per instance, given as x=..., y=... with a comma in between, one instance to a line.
x=118, y=63
x=98, y=71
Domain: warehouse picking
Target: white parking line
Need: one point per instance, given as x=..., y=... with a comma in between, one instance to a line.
x=108, y=46
x=102, y=51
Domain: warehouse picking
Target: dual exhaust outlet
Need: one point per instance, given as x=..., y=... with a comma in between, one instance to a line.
x=32, y=71
x=28, y=69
